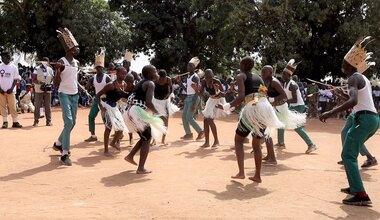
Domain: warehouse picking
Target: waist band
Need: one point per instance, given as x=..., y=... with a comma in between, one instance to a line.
x=365, y=112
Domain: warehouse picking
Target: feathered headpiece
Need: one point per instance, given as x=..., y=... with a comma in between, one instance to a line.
x=195, y=61
x=358, y=56
x=66, y=38
x=291, y=66
x=99, y=58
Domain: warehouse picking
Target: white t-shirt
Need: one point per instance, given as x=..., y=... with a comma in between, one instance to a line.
x=8, y=73
x=69, y=78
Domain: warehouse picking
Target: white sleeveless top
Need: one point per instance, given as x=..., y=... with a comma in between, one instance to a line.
x=69, y=78
x=100, y=86
x=289, y=94
x=189, y=82
x=365, y=100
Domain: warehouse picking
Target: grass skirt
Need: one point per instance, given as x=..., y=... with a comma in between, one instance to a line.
x=113, y=118
x=165, y=107
x=290, y=118
x=211, y=111
x=260, y=116
x=137, y=119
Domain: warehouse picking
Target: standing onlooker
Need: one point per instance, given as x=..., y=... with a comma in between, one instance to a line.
x=325, y=96
x=8, y=77
x=44, y=76
x=312, y=100
x=376, y=97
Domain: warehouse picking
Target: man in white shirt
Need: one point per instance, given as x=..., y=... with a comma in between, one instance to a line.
x=8, y=77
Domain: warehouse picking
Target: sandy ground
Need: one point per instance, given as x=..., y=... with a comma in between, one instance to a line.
x=187, y=182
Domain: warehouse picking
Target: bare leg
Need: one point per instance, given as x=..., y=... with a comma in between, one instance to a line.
x=258, y=157
x=115, y=143
x=107, y=132
x=206, y=129
x=271, y=157
x=239, y=151
x=130, y=138
x=214, y=132
x=166, y=122
x=135, y=149
x=144, y=151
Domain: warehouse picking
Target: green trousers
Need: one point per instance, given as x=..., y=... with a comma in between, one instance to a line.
x=69, y=106
x=188, y=115
x=300, y=131
x=349, y=122
x=362, y=127
x=91, y=117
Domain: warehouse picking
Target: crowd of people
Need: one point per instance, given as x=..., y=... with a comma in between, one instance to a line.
x=143, y=103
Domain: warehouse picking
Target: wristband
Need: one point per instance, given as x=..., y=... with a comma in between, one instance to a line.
x=271, y=99
x=227, y=107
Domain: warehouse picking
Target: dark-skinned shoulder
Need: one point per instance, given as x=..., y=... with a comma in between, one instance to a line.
x=147, y=84
x=357, y=81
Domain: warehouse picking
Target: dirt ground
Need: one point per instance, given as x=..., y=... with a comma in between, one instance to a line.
x=187, y=182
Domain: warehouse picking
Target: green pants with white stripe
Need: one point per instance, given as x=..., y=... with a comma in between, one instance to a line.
x=362, y=128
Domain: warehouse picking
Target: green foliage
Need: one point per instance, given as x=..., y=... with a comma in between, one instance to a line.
x=31, y=25
x=178, y=30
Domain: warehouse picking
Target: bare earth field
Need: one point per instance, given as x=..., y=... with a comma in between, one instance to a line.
x=187, y=182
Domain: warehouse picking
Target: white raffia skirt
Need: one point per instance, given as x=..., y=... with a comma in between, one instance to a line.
x=165, y=107
x=211, y=111
x=290, y=118
x=138, y=119
x=113, y=119
x=260, y=116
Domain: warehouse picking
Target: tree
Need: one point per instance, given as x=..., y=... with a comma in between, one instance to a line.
x=30, y=26
x=317, y=32
x=178, y=30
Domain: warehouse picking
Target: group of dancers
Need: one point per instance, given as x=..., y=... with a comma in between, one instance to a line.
x=128, y=105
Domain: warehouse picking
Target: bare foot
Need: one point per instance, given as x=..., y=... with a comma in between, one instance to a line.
x=265, y=158
x=238, y=176
x=115, y=145
x=215, y=144
x=143, y=171
x=270, y=162
x=205, y=145
x=255, y=179
x=130, y=160
x=107, y=154
x=153, y=143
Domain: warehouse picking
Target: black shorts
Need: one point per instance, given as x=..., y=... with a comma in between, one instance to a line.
x=145, y=135
x=243, y=131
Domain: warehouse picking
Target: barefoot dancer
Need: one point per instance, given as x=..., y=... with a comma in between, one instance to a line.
x=162, y=98
x=277, y=97
x=111, y=114
x=364, y=120
x=139, y=120
x=129, y=80
x=214, y=88
x=257, y=116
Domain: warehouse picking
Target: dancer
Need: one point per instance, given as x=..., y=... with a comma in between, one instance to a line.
x=364, y=122
x=296, y=103
x=111, y=115
x=191, y=102
x=257, y=116
x=163, y=93
x=138, y=119
x=66, y=79
x=214, y=89
x=129, y=81
x=98, y=81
